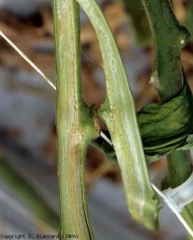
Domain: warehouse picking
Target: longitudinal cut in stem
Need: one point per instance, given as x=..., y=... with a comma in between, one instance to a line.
x=75, y=125
x=118, y=111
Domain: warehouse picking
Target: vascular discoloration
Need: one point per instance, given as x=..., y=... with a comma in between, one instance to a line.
x=75, y=122
x=118, y=112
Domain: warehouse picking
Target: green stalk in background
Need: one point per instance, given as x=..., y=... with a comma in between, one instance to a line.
x=189, y=17
x=118, y=112
x=26, y=192
x=169, y=39
x=75, y=122
x=138, y=20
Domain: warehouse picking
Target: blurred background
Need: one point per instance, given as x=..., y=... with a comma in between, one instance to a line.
x=28, y=143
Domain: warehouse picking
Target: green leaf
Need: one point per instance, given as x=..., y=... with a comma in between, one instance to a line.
x=165, y=127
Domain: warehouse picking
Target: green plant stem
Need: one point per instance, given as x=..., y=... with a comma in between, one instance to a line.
x=179, y=170
x=169, y=38
x=118, y=112
x=179, y=167
x=75, y=125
